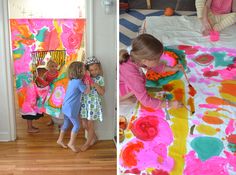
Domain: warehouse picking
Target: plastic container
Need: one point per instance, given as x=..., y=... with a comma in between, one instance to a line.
x=214, y=36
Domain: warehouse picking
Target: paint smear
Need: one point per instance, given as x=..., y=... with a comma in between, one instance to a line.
x=230, y=127
x=218, y=101
x=210, y=74
x=232, y=138
x=128, y=154
x=180, y=131
x=227, y=90
x=215, y=114
x=207, y=147
x=191, y=104
x=212, y=120
x=178, y=94
x=209, y=106
x=205, y=129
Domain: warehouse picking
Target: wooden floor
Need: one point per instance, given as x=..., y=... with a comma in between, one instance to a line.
x=38, y=154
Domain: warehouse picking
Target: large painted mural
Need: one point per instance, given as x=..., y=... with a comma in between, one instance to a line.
x=34, y=42
x=198, y=139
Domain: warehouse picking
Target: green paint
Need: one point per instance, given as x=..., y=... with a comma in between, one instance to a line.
x=207, y=147
x=23, y=80
x=41, y=34
x=169, y=96
x=220, y=59
x=176, y=76
x=232, y=147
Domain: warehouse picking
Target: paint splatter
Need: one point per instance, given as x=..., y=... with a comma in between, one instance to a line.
x=207, y=130
x=207, y=147
x=212, y=120
x=210, y=74
x=145, y=128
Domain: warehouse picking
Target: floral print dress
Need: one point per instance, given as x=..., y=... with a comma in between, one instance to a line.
x=91, y=106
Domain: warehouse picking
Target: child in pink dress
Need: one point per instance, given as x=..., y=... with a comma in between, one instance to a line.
x=146, y=52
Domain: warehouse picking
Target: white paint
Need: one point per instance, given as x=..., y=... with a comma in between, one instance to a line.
x=7, y=107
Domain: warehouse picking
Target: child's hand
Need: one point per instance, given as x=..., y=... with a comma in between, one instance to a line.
x=175, y=104
x=178, y=67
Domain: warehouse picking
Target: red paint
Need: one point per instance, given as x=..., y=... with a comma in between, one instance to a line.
x=128, y=154
x=168, y=87
x=204, y=59
x=178, y=93
x=133, y=171
x=145, y=128
x=210, y=73
x=189, y=50
x=159, y=172
x=232, y=138
x=192, y=91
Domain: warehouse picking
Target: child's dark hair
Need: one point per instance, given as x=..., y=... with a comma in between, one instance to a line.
x=76, y=70
x=145, y=46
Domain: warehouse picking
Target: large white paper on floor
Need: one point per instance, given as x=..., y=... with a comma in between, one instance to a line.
x=178, y=30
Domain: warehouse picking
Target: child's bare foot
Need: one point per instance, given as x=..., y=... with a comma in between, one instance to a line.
x=95, y=139
x=34, y=127
x=50, y=123
x=84, y=147
x=73, y=148
x=61, y=144
x=32, y=130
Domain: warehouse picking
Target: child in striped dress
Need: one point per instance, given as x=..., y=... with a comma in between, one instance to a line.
x=216, y=14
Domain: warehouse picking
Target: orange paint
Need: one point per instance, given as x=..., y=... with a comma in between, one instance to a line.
x=218, y=129
x=128, y=154
x=21, y=96
x=147, y=108
x=131, y=122
x=228, y=88
x=218, y=101
x=191, y=104
x=212, y=120
x=178, y=93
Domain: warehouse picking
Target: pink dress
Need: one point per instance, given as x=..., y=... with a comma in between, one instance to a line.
x=221, y=6
x=132, y=80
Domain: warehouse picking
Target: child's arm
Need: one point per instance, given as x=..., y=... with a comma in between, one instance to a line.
x=178, y=67
x=100, y=89
x=87, y=90
x=205, y=19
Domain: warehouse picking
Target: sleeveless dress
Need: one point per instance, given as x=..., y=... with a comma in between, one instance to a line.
x=91, y=107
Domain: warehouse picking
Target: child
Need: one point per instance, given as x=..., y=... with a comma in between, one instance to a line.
x=91, y=107
x=216, y=14
x=145, y=52
x=50, y=75
x=71, y=103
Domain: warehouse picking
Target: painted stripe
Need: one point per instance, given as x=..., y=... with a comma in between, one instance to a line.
x=131, y=26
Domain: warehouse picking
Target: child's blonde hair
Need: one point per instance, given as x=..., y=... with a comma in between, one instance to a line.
x=50, y=62
x=76, y=70
x=144, y=46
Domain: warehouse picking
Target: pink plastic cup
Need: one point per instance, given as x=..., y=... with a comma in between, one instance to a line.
x=214, y=35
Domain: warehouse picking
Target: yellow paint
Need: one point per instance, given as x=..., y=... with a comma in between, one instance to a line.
x=205, y=129
x=215, y=114
x=180, y=131
x=128, y=134
x=228, y=97
x=149, y=170
x=59, y=31
x=228, y=82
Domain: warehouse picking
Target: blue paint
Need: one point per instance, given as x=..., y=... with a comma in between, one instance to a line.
x=207, y=147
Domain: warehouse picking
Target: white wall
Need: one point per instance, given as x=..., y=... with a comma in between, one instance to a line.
x=104, y=47
x=105, y=37
x=7, y=108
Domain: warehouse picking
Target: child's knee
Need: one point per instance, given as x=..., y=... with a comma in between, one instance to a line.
x=75, y=128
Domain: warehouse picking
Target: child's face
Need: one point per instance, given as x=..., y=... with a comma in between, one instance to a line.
x=150, y=63
x=94, y=70
x=52, y=67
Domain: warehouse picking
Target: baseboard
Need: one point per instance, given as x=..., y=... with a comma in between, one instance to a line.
x=5, y=137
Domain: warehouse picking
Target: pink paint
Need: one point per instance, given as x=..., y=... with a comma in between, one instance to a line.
x=195, y=166
x=230, y=127
x=20, y=65
x=208, y=106
x=199, y=115
x=196, y=122
x=191, y=64
x=155, y=150
x=226, y=74
x=207, y=93
x=214, y=36
x=210, y=74
x=193, y=79
x=204, y=80
x=190, y=56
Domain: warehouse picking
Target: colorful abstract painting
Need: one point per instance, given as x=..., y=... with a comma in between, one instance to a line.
x=197, y=139
x=46, y=37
